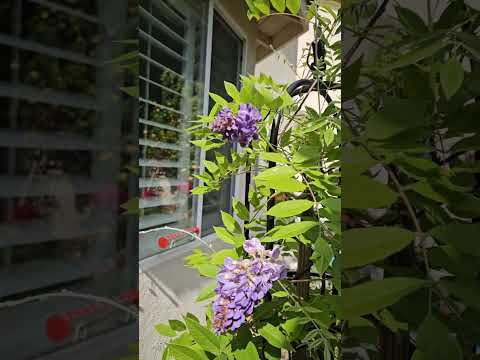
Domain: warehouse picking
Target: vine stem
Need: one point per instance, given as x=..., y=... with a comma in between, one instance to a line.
x=307, y=315
x=370, y=24
x=69, y=294
x=418, y=229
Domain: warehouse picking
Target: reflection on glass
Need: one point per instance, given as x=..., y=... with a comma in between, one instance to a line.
x=63, y=126
x=172, y=45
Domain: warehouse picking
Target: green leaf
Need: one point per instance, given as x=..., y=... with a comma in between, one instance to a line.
x=290, y=208
x=416, y=55
x=387, y=318
x=467, y=291
x=132, y=55
x=249, y=353
x=280, y=178
x=279, y=5
x=200, y=190
x=275, y=337
x=356, y=160
x=451, y=15
x=328, y=136
x=232, y=91
x=294, y=327
x=418, y=355
x=283, y=185
x=350, y=77
x=332, y=205
x=435, y=341
x=294, y=6
x=275, y=157
x=463, y=237
x=358, y=190
x=470, y=42
x=229, y=222
x=272, y=353
x=322, y=255
x=218, y=258
x=291, y=230
x=263, y=6
x=306, y=153
x=207, y=270
x=362, y=246
x=218, y=99
x=396, y=117
x=372, y=296
x=181, y=352
x=207, y=293
x=177, y=325
x=467, y=144
x=211, y=166
x=270, y=174
x=204, y=337
x=410, y=20
x=425, y=189
x=132, y=206
x=132, y=91
x=224, y=235
x=451, y=77
x=280, y=294
x=241, y=210
x=165, y=330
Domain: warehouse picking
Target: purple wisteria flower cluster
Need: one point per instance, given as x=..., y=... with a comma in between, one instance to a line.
x=242, y=284
x=240, y=128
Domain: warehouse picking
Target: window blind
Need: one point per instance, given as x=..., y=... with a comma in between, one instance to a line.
x=172, y=55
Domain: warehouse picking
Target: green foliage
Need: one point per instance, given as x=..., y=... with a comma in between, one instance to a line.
x=372, y=296
x=363, y=246
x=290, y=208
x=407, y=213
x=303, y=185
x=275, y=337
x=259, y=8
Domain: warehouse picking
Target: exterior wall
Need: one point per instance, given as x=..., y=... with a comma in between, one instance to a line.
x=167, y=288
x=281, y=65
x=285, y=65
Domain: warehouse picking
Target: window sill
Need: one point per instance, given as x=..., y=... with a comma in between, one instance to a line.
x=180, y=252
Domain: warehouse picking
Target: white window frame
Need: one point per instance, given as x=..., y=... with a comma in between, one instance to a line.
x=238, y=183
x=215, y=5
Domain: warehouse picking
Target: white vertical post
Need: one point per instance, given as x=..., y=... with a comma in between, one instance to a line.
x=208, y=64
x=186, y=109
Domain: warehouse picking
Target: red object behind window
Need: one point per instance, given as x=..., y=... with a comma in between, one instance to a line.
x=58, y=328
x=164, y=241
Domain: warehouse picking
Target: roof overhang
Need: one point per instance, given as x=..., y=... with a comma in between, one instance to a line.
x=275, y=30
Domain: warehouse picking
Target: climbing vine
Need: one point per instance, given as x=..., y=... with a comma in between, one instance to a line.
x=272, y=287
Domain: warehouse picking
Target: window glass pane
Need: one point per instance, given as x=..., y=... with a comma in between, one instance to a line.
x=66, y=146
x=172, y=42
x=227, y=50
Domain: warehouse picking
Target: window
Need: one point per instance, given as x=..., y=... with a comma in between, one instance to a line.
x=61, y=178
x=172, y=58
x=173, y=46
x=227, y=49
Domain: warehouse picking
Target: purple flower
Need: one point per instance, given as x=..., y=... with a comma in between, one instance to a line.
x=225, y=123
x=240, y=128
x=242, y=284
